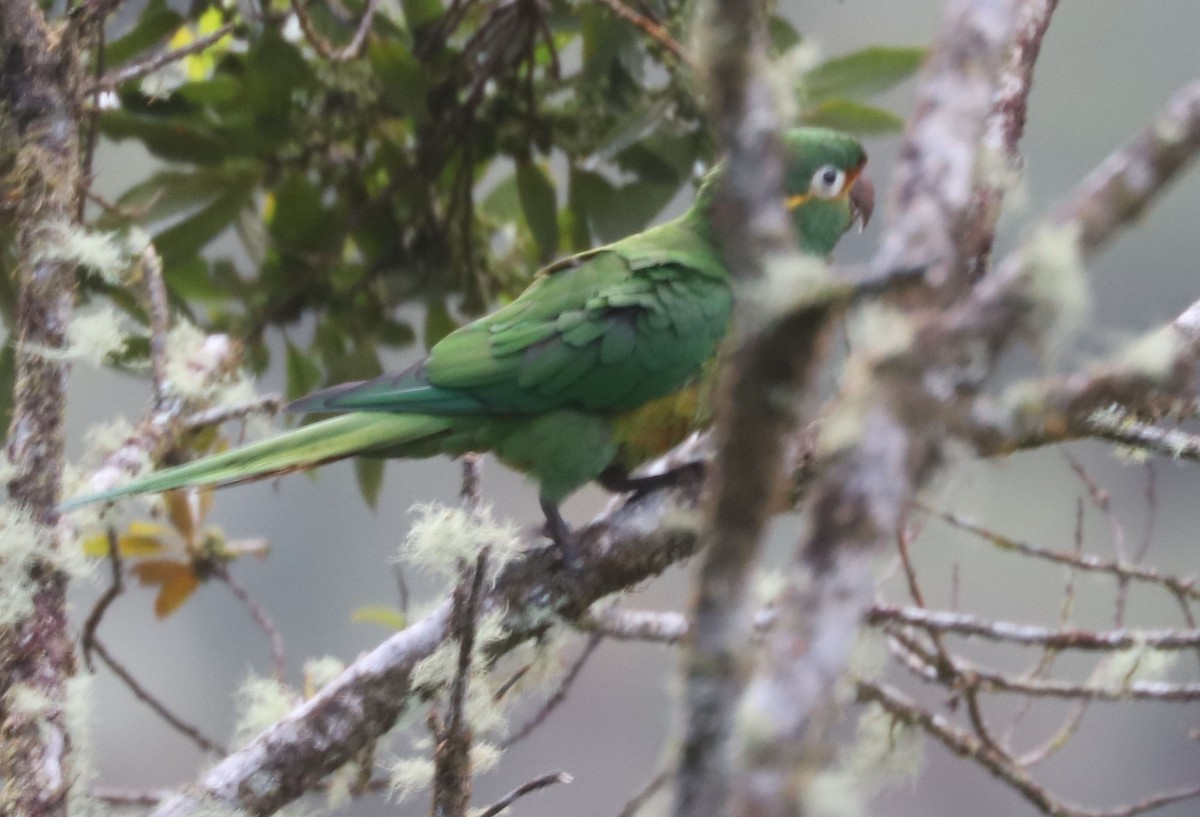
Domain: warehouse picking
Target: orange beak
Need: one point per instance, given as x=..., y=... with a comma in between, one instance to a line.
x=862, y=199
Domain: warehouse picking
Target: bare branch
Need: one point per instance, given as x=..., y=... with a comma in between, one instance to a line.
x=1005, y=127
x=526, y=788
x=261, y=618
x=352, y=50
x=625, y=546
x=177, y=723
x=1179, y=586
x=149, y=65
x=452, y=753
x=934, y=184
x=559, y=695
x=1032, y=635
x=968, y=746
x=40, y=151
x=651, y=29
x=926, y=665
x=115, y=587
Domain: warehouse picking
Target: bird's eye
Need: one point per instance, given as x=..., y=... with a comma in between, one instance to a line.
x=828, y=182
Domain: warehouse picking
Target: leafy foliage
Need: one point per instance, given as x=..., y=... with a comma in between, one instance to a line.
x=469, y=144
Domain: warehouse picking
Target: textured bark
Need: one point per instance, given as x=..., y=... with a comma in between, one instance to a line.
x=40, y=151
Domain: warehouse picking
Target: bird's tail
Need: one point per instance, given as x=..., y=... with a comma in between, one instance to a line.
x=305, y=447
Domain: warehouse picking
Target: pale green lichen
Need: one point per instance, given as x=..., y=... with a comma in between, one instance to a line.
x=443, y=538
x=769, y=586
x=103, y=253
x=785, y=75
x=260, y=702
x=410, y=775
x=1139, y=663
x=541, y=662
x=319, y=672
x=484, y=757
x=843, y=427
x=884, y=752
x=21, y=546
x=1057, y=285
x=78, y=713
x=437, y=668
x=207, y=807
x=869, y=657
x=790, y=281
x=1154, y=355
x=28, y=700
x=93, y=337
x=879, y=332
x=198, y=365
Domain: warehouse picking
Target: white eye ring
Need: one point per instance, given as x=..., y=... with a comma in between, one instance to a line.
x=827, y=182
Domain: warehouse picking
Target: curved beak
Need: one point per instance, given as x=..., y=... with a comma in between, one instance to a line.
x=862, y=200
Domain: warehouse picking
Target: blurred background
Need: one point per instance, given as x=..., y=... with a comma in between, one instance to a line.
x=1107, y=67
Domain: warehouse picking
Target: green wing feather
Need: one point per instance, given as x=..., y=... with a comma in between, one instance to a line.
x=604, y=331
x=305, y=447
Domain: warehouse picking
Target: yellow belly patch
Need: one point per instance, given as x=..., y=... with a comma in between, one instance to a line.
x=653, y=429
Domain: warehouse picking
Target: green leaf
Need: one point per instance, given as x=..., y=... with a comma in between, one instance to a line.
x=418, y=13
x=388, y=617
x=396, y=333
x=221, y=88
x=300, y=221
x=852, y=117
x=438, y=323
x=169, y=193
x=171, y=137
x=782, y=33
x=369, y=472
x=191, y=280
x=612, y=212
x=186, y=238
x=402, y=80
x=540, y=206
x=153, y=26
x=862, y=73
x=303, y=374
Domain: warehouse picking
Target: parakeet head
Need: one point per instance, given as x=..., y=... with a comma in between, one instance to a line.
x=825, y=186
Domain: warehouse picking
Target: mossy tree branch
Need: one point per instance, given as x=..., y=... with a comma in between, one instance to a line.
x=39, y=81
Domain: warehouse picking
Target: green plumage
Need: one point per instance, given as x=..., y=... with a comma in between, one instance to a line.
x=568, y=379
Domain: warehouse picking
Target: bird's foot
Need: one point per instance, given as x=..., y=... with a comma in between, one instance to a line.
x=558, y=531
x=617, y=480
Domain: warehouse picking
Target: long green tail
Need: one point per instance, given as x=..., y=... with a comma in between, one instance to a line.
x=305, y=447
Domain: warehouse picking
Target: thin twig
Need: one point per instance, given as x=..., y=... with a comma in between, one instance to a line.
x=265, y=404
x=452, y=755
x=352, y=50
x=128, y=797
x=1033, y=635
x=1169, y=442
x=471, y=492
x=652, y=787
x=923, y=662
x=651, y=29
x=965, y=745
x=1102, y=500
x=160, y=318
x=137, y=70
x=140, y=692
x=524, y=789
x=87, y=638
x=261, y=618
x=1180, y=586
x=559, y=695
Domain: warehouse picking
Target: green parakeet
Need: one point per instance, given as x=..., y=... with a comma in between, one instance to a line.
x=594, y=369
